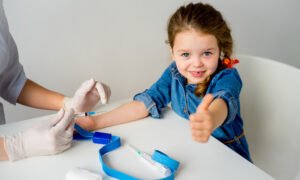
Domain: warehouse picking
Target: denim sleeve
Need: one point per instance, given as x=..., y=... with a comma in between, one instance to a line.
x=158, y=95
x=227, y=86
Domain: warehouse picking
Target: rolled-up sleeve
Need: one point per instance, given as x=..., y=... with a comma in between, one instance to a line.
x=158, y=95
x=149, y=103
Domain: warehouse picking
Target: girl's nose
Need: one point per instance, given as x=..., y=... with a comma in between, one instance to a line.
x=197, y=62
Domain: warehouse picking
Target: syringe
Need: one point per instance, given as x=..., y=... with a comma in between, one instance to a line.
x=86, y=114
x=90, y=113
x=147, y=158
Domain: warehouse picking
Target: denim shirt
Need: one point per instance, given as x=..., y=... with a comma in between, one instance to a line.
x=172, y=87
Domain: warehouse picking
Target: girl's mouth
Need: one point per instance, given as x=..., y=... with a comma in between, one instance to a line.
x=197, y=74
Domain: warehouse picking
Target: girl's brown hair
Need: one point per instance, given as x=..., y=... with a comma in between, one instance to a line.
x=204, y=18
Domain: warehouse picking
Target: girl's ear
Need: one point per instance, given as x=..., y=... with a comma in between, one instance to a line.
x=171, y=52
x=170, y=48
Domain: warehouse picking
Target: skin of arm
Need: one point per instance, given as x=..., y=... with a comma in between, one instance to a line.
x=131, y=111
x=36, y=96
x=210, y=115
x=3, y=155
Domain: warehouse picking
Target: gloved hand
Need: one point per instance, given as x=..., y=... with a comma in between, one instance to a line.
x=87, y=96
x=46, y=138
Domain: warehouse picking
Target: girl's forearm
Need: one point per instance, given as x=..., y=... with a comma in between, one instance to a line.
x=219, y=110
x=132, y=111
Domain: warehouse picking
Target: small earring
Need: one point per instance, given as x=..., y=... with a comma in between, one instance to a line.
x=222, y=55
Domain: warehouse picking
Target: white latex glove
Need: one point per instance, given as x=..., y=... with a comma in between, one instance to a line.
x=46, y=138
x=82, y=174
x=87, y=96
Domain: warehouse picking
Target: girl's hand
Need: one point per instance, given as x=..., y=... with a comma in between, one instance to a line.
x=86, y=122
x=201, y=122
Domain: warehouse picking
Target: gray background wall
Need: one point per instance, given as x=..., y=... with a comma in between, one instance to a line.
x=64, y=42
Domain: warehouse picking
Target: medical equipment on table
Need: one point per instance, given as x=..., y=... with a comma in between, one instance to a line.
x=148, y=159
x=112, y=142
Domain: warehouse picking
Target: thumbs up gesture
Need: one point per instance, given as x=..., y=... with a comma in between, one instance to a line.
x=201, y=122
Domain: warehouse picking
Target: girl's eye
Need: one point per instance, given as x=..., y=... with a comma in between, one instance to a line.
x=185, y=54
x=207, y=53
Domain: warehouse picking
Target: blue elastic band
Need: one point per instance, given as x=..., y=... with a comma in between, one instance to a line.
x=113, y=143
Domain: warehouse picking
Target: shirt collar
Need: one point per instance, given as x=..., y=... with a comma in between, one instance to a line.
x=182, y=80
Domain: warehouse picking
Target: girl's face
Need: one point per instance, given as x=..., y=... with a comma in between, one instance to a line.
x=196, y=55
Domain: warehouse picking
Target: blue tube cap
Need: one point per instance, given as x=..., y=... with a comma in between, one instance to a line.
x=101, y=138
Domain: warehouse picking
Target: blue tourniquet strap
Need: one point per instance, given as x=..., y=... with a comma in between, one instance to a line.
x=164, y=159
x=113, y=143
x=82, y=134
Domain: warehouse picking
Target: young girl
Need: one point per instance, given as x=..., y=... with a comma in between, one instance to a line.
x=200, y=84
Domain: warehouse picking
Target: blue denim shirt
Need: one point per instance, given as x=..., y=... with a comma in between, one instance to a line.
x=172, y=87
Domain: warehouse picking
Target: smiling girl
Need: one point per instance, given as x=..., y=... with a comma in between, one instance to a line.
x=200, y=84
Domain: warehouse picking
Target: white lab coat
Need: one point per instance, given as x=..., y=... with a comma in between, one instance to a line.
x=12, y=75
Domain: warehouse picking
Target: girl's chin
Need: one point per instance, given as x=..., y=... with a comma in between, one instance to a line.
x=193, y=81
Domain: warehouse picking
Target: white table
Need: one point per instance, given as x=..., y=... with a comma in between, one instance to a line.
x=171, y=135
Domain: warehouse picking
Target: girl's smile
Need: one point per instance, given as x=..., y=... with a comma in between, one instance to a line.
x=197, y=74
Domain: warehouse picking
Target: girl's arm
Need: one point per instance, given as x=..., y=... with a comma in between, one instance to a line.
x=131, y=111
x=218, y=109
